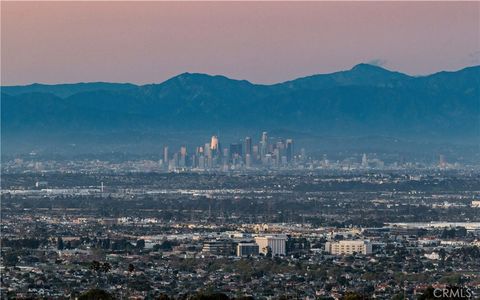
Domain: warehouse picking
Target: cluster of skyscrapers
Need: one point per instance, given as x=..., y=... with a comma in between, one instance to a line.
x=243, y=154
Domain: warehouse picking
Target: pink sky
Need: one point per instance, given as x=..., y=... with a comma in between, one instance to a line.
x=263, y=42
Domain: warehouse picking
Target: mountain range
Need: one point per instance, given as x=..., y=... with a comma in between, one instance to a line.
x=366, y=100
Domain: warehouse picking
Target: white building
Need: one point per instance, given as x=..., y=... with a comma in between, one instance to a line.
x=349, y=247
x=432, y=256
x=276, y=243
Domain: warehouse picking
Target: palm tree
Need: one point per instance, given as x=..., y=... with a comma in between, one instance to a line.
x=95, y=266
x=106, y=267
x=131, y=268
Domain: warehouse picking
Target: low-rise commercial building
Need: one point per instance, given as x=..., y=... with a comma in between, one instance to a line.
x=349, y=247
x=247, y=249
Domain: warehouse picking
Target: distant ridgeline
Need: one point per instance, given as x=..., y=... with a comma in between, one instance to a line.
x=364, y=101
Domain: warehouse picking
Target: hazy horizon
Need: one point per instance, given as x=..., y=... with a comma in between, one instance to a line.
x=262, y=42
x=245, y=79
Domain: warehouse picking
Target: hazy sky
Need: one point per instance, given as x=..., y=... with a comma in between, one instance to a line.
x=263, y=42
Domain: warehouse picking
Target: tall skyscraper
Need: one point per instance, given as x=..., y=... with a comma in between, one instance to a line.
x=183, y=150
x=214, y=143
x=165, y=155
x=207, y=151
x=441, y=161
x=173, y=162
x=264, y=145
x=255, y=153
x=265, y=137
x=279, y=150
x=248, y=145
x=226, y=153
x=182, y=162
x=364, y=160
x=208, y=155
x=268, y=153
x=248, y=160
x=290, y=150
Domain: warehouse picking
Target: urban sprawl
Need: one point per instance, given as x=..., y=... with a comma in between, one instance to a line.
x=196, y=226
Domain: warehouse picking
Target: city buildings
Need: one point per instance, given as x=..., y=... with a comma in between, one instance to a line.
x=265, y=235
x=243, y=155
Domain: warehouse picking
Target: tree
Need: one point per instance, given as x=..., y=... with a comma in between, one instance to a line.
x=213, y=296
x=95, y=294
x=10, y=258
x=442, y=254
x=106, y=267
x=163, y=296
x=60, y=245
x=95, y=266
x=353, y=296
x=140, y=244
x=268, y=251
x=167, y=245
x=131, y=268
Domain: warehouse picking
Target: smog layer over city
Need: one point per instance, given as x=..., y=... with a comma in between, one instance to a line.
x=240, y=150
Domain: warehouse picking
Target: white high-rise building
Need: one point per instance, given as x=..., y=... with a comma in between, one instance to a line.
x=364, y=160
x=248, y=161
x=165, y=156
x=276, y=243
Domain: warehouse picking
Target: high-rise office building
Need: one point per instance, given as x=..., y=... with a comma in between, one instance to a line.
x=248, y=145
x=441, y=161
x=214, y=144
x=264, y=145
x=165, y=154
x=193, y=162
x=248, y=160
x=364, y=160
x=255, y=153
x=207, y=151
x=201, y=162
x=289, y=150
x=265, y=137
x=279, y=151
x=226, y=155
x=208, y=156
x=182, y=161
x=276, y=153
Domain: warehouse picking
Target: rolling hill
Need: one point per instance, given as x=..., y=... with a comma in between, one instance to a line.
x=366, y=100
